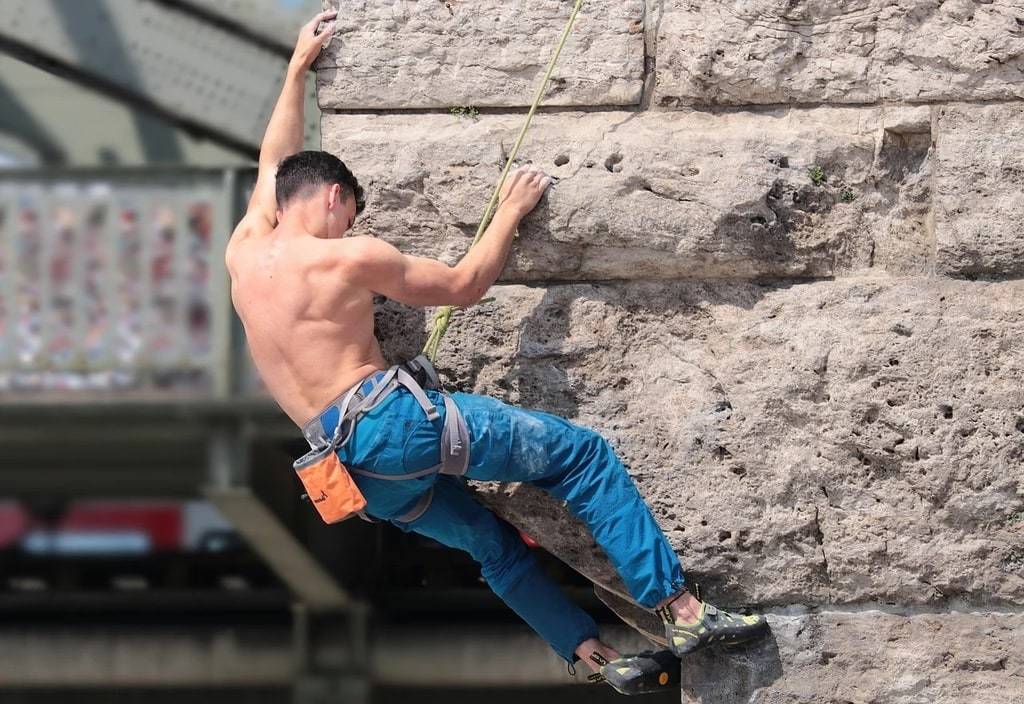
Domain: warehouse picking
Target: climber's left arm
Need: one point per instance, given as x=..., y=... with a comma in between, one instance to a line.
x=284, y=135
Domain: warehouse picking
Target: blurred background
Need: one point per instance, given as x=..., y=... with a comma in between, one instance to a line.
x=153, y=542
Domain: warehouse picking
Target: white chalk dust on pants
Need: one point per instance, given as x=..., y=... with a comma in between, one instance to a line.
x=529, y=445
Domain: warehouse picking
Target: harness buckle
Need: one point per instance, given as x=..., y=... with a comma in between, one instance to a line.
x=423, y=371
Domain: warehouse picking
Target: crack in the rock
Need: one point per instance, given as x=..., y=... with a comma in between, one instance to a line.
x=637, y=183
x=820, y=538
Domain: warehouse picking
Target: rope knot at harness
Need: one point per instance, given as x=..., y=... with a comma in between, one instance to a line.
x=443, y=316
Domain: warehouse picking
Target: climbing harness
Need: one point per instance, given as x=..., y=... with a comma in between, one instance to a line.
x=328, y=482
x=442, y=318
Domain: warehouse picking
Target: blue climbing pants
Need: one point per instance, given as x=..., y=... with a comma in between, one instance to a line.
x=509, y=444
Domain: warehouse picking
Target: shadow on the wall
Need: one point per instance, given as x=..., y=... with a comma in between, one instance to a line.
x=727, y=675
x=400, y=329
x=539, y=372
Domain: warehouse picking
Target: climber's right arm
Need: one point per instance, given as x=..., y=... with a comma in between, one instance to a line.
x=418, y=281
x=415, y=281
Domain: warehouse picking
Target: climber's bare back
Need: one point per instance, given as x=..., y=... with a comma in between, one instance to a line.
x=304, y=290
x=309, y=329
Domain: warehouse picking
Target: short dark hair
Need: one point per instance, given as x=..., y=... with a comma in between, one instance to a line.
x=300, y=173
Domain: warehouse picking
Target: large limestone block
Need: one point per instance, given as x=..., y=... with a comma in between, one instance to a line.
x=826, y=656
x=485, y=53
x=661, y=194
x=980, y=189
x=849, y=441
x=740, y=52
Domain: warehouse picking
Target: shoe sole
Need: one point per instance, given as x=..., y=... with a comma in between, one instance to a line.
x=658, y=671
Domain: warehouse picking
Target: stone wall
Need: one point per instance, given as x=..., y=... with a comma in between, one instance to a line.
x=781, y=269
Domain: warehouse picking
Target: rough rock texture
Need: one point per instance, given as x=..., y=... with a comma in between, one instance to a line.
x=980, y=189
x=659, y=195
x=485, y=53
x=799, y=322
x=831, y=442
x=864, y=655
x=826, y=443
x=742, y=52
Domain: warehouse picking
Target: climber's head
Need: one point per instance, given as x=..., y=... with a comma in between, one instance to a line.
x=320, y=190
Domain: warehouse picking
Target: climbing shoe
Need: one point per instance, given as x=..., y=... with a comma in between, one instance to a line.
x=713, y=626
x=643, y=673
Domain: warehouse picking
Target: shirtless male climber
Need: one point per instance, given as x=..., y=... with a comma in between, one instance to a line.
x=304, y=292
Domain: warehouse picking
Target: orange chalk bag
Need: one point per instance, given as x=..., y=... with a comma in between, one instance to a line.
x=329, y=485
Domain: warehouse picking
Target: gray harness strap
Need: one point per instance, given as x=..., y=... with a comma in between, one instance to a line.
x=418, y=510
x=454, y=434
x=406, y=380
x=454, y=441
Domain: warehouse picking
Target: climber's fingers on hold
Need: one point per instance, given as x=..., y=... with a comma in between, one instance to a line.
x=538, y=178
x=312, y=31
x=309, y=43
x=324, y=16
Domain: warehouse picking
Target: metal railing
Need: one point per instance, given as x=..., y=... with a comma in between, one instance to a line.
x=112, y=283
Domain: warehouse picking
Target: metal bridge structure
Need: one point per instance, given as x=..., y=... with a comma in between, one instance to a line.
x=124, y=373
x=122, y=368
x=213, y=68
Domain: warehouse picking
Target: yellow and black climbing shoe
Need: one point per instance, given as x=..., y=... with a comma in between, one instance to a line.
x=643, y=673
x=713, y=626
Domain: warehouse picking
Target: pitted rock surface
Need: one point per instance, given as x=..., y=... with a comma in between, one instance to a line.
x=724, y=52
x=659, y=195
x=828, y=442
x=870, y=655
x=780, y=269
x=484, y=53
x=980, y=190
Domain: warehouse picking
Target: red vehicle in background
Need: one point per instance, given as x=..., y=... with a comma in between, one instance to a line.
x=112, y=528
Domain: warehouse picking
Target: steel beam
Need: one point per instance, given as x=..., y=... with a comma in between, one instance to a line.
x=37, y=655
x=289, y=558
x=415, y=655
x=273, y=24
x=200, y=74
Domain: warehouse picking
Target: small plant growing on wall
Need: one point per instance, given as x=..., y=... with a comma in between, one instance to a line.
x=464, y=111
x=847, y=195
x=817, y=175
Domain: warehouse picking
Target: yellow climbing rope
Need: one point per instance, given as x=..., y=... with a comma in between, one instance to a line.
x=444, y=315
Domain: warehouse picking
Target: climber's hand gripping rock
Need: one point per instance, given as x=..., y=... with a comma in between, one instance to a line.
x=523, y=189
x=311, y=41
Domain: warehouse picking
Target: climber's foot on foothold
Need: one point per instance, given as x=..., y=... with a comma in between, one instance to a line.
x=711, y=626
x=643, y=673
